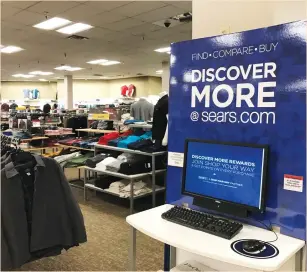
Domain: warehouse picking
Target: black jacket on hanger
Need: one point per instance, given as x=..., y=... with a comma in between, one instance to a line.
x=159, y=118
x=40, y=216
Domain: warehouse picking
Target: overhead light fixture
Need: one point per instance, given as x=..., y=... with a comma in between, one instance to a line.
x=52, y=23
x=98, y=61
x=163, y=50
x=23, y=75
x=74, y=69
x=41, y=73
x=110, y=62
x=75, y=28
x=63, y=67
x=68, y=68
x=11, y=49
x=159, y=72
x=42, y=79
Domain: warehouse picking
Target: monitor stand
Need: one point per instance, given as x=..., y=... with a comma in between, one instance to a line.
x=220, y=206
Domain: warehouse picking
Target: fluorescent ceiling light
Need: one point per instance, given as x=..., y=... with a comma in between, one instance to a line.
x=68, y=68
x=41, y=73
x=163, y=50
x=42, y=79
x=52, y=23
x=98, y=61
x=74, y=68
x=64, y=67
x=159, y=72
x=110, y=62
x=11, y=49
x=24, y=76
x=71, y=29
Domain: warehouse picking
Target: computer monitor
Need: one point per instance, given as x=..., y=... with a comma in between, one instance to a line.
x=227, y=177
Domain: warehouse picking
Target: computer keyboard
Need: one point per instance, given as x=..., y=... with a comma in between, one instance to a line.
x=215, y=225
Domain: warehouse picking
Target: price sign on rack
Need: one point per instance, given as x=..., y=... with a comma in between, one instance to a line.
x=99, y=116
x=36, y=123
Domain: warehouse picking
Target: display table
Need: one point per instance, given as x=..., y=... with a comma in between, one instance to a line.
x=212, y=248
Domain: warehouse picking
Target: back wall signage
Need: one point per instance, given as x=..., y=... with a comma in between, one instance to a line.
x=247, y=87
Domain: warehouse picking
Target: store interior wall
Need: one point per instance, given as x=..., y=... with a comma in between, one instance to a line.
x=82, y=89
x=14, y=90
x=236, y=16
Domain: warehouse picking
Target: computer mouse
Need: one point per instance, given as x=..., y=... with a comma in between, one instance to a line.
x=253, y=246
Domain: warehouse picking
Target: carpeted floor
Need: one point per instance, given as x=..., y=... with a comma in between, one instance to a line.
x=107, y=245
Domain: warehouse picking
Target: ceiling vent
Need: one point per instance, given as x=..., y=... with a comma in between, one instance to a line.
x=140, y=74
x=98, y=75
x=77, y=37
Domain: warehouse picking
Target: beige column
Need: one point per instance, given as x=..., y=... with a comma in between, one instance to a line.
x=165, y=76
x=68, y=90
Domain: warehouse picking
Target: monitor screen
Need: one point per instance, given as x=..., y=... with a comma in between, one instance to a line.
x=222, y=171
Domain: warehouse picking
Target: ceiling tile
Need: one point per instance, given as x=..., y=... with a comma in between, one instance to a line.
x=8, y=11
x=138, y=7
x=144, y=29
x=116, y=35
x=26, y=18
x=105, y=18
x=53, y=7
x=106, y=5
x=124, y=24
x=159, y=14
x=186, y=5
x=164, y=32
x=79, y=13
x=19, y=4
x=185, y=27
x=97, y=32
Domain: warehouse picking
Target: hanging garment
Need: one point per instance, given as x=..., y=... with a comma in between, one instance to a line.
x=160, y=119
x=40, y=216
x=142, y=110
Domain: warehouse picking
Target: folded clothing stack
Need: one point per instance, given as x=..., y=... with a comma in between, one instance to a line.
x=117, y=186
x=141, y=140
x=102, y=166
x=62, y=159
x=92, y=162
x=102, y=124
x=79, y=142
x=123, y=187
x=126, y=163
x=112, y=136
x=79, y=160
x=130, y=139
x=133, y=121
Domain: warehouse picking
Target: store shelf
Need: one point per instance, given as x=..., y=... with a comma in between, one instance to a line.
x=130, y=150
x=93, y=187
x=123, y=176
x=34, y=138
x=90, y=130
x=36, y=148
x=70, y=133
x=140, y=126
x=73, y=147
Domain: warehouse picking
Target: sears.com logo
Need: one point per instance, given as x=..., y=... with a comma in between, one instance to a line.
x=252, y=95
x=224, y=116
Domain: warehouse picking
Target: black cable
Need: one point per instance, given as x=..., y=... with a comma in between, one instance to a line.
x=270, y=229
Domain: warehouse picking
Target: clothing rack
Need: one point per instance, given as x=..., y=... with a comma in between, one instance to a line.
x=9, y=140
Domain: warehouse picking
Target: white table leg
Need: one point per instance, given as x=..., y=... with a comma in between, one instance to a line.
x=132, y=249
x=172, y=257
